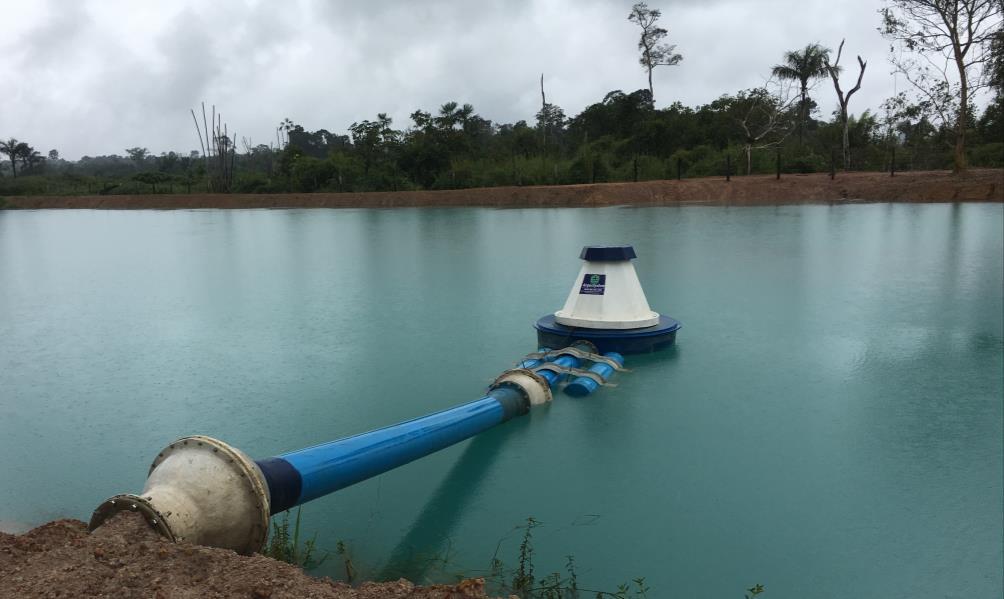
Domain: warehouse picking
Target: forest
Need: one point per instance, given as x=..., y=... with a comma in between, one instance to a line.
x=622, y=137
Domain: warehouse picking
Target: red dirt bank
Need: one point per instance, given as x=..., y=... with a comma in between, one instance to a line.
x=977, y=185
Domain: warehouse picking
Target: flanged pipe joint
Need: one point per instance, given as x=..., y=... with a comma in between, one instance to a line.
x=201, y=490
x=534, y=388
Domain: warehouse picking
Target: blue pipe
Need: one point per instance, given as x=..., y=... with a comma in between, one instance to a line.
x=583, y=386
x=532, y=362
x=553, y=378
x=299, y=476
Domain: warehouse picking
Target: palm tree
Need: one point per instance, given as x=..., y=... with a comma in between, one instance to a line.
x=15, y=151
x=802, y=66
x=451, y=114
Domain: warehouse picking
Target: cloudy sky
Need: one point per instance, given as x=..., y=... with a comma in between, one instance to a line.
x=98, y=76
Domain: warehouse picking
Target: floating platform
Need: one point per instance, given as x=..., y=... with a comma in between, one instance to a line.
x=607, y=307
x=551, y=333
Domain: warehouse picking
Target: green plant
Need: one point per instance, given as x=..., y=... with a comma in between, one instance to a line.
x=524, y=584
x=343, y=552
x=522, y=581
x=285, y=548
x=754, y=591
x=573, y=579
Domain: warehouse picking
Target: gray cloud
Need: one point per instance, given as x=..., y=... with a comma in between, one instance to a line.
x=97, y=77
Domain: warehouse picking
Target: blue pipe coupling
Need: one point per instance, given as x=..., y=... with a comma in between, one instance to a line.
x=585, y=385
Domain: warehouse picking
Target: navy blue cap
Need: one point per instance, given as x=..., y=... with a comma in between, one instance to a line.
x=607, y=253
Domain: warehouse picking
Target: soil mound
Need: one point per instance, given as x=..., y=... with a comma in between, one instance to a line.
x=125, y=558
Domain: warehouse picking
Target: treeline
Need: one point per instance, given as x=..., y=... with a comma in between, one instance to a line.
x=621, y=138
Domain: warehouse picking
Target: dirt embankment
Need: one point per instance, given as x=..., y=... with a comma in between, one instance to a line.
x=977, y=185
x=125, y=558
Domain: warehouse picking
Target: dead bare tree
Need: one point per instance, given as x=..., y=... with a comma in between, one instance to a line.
x=844, y=99
x=764, y=115
x=543, y=107
x=218, y=149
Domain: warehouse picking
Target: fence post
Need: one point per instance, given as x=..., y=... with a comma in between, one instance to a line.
x=679, y=168
x=892, y=163
x=778, y=177
x=728, y=166
x=635, y=168
x=833, y=165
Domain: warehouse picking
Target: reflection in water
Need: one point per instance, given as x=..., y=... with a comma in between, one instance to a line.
x=425, y=545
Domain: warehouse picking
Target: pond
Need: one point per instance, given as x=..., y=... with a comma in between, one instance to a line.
x=829, y=423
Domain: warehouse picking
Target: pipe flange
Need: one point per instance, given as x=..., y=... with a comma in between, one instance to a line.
x=131, y=503
x=201, y=490
x=257, y=489
x=535, y=388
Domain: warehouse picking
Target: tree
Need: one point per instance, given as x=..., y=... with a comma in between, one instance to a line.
x=803, y=66
x=373, y=139
x=137, y=155
x=550, y=118
x=53, y=154
x=763, y=116
x=996, y=63
x=452, y=114
x=282, y=131
x=654, y=53
x=550, y=122
x=15, y=150
x=29, y=158
x=991, y=124
x=152, y=178
x=935, y=36
x=844, y=99
x=619, y=114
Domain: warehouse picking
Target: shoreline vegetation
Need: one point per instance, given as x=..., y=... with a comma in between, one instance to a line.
x=974, y=185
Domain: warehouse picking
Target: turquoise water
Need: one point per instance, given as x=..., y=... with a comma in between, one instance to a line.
x=830, y=423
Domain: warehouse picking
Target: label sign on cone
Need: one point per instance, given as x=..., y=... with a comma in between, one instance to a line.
x=593, y=284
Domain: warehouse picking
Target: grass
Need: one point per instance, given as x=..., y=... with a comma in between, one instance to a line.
x=521, y=581
x=286, y=548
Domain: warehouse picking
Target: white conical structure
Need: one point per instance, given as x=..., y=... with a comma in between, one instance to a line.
x=607, y=293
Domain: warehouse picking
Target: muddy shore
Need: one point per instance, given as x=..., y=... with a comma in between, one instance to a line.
x=126, y=558
x=977, y=185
